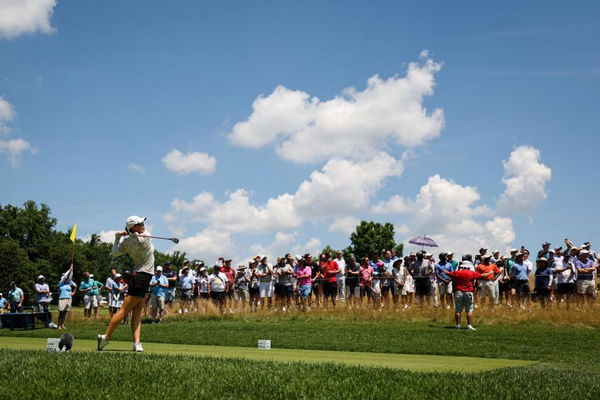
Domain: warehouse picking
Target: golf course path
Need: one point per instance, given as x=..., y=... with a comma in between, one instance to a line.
x=413, y=362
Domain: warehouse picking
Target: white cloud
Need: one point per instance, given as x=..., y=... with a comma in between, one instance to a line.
x=281, y=245
x=209, y=244
x=344, y=225
x=181, y=163
x=356, y=124
x=14, y=148
x=341, y=187
x=7, y=114
x=138, y=169
x=394, y=205
x=19, y=17
x=525, y=178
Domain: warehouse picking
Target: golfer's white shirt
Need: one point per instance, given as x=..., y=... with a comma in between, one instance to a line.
x=140, y=249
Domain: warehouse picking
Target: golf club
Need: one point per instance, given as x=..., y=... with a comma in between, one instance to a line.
x=174, y=240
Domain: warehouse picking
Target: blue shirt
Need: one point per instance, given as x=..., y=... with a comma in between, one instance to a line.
x=443, y=269
x=186, y=281
x=543, y=278
x=156, y=289
x=15, y=295
x=65, y=289
x=3, y=302
x=583, y=276
x=520, y=272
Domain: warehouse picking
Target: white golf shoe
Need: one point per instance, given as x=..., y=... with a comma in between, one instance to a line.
x=137, y=347
x=102, y=342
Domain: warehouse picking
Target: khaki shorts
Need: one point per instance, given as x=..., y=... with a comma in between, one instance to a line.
x=585, y=287
x=90, y=301
x=157, y=303
x=64, y=304
x=487, y=288
x=445, y=288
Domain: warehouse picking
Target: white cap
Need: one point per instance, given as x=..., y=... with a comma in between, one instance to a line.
x=583, y=251
x=133, y=220
x=117, y=276
x=202, y=269
x=513, y=250
x=298, y=257
x=91, y=275
x=450, y=253
x=41, y=277
x=159, y=268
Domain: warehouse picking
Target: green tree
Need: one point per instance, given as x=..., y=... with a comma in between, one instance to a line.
x=372, y=237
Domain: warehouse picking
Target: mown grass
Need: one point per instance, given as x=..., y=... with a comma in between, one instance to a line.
x=105, y=375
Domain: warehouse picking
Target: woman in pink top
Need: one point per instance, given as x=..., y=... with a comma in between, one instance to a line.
x=365, y=278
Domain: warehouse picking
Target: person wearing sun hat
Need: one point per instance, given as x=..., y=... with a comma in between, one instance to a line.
x=585, y=277
x=543, y=281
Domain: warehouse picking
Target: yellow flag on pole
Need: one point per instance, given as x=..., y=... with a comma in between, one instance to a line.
x=73, y=233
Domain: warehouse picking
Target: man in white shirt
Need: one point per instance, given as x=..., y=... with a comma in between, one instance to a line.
x=341, y=276
x=216, y=286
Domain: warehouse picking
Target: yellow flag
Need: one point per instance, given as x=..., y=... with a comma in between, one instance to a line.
x=73, y=233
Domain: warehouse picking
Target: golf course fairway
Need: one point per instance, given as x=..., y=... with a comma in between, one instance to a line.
x=413, y=362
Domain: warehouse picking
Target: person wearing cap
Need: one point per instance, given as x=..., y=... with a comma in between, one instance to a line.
x=217, y=284
x=186, y=282
x=117, y=293
x=254, y=285
x=303, y=276
x=488, y=283
x=316, y=279
x=479, y=257
x=286, y=285
x=15, y=298
x=520, y=280
x=442, y=268
x=158, y=291
x=241, y=294
x=386, y=276
x=66, y=290
x=352, y=275
x=90, y=301
x=565, y=275
x=463, y=283
x=585, y=278
x=171, y=275
x=264, y=271
x=365, y=279
x=230, y=273
x=420, y=269
x=43, y=295
x=108, y=286
x=141, y=251
x=341, y=276
x=542, y=281
x=330, y=285
x=399, y=274
x=544, y=252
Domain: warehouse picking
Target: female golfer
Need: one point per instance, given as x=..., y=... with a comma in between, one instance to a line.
x=141, y=251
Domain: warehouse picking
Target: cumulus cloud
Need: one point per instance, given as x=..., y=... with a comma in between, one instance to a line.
x=138, y=169
x=210, y=244
x=182, y=164
x=525, y=178
x=341, y=187
x=344, y=225
x=14, y=148
x=353, y=124
x=7, y=114
x=394, y=205
x=19, y=17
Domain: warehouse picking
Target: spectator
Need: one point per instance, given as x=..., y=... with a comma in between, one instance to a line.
x=117, y=293
x=254, y=287
x=543, y=281
x=43, y=295
x=488, y=283
x=217, y=282
x=330, y=286
x=96, y=292
x=387, y=276
x=444, y=281
x=420, y=269
x=463, y=281
x=286, y=286
x=544, y=252
x=264, y=271
x=230, y=287
x=565, y=277
x=67, y=289
x=520, y=280
x=202, y=284
x=503, y=282
x=108, y=285
x=90, y=301
x=171, y=276
x=341, y=276
x=303, y=274
x=365, y=278
x=186, y=281
x=317, y=280
x=15, y=298
x=352, y=276
x=585, y=278
x=242, y=279
x=398, y=280
x=159, y=285
x=433, y=286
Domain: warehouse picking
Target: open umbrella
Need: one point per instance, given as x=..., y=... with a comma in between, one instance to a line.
x=423, y=241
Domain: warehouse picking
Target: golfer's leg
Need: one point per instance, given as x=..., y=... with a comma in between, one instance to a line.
x=119, y=315
x=136, y=320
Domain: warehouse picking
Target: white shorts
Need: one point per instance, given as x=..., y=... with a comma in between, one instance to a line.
x=585, y=287
x=488, y=289
x=266, y=289
x=445, y=288
x=90, y=301
x=64, y=304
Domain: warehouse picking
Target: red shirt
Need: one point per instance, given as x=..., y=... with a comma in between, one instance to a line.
x=482, y=269
x=230, y=274
x=464, y=280
x=327, y=275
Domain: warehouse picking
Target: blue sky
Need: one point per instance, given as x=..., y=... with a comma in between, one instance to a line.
x=102, y=92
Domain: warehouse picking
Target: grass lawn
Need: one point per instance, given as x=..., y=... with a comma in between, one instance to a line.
x=564, y=352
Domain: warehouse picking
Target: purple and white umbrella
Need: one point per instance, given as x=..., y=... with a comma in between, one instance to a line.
x=423, y=241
